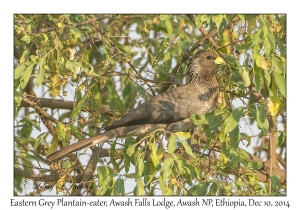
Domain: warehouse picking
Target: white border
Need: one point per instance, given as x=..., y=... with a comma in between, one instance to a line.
x=8, y=8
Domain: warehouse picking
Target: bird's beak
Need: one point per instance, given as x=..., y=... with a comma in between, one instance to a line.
x=220, y=60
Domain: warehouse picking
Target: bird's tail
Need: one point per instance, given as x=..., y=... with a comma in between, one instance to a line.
x=101, y=138
x=79, y=146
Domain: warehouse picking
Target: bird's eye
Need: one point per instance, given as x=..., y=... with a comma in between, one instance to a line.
x=208, y=57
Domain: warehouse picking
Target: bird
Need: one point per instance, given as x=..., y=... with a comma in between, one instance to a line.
x=168, y=111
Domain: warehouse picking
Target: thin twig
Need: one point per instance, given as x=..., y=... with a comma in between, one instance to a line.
x=45, y=30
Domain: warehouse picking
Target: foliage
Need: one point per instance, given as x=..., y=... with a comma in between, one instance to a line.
x=104, y=65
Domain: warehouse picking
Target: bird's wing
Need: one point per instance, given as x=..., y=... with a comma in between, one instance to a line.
x=171, y=106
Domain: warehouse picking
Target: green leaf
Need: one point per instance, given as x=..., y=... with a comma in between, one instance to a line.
x=251, y=23
x=76, y=132
x=269, y=45
x=106, y=51
x=165, y=17
x=26, y=38
x=129, y=94
x=123, y=48
x=72, y=66
x=131, y=149
x=31, y=25
x=234, y=137
x=244, y=47
x=172, y=144
x=214, y=188
x=113, y=100
x=277, y=64
x=198, y=21
x=187, y=147
x=246, y=78
x=281, y=139
x=245, y=136
x=162, y=184
x=169, y=27
x=233, y=120
x=258, y=79
x=150, y=171
x=95, y=101
x=218, y=19
x=61, y=65
x=17, y=98
x=240, y=183
x=130, y=176
x=200, y=189
x=261, y=119
x=242, y=17
x=179, y=163
x=34, y=124
x=119, y=188
x=280, y=81
x=77, y=109
x=25, y=56
x=61, y=130
x=257, y=55
x=255, y=165
x=257, y=38
x=269, y=40
x=39, y=140
x=168, y=163
x=207, y=118
x=191, y=170
x=275, y=180
x=167, y=167
x=40, y=76
x=159, y=55
x=127, y=158
x=49, y=17
x=153, y=155
x=112, y=156
x=105, y=176
x=139, y=190
x=281, y=46
x=54, y=144
x=75, y=32
x=140, y=166
x=27, y=74
x=19, y=71
x=168, y=59
x=267, y=78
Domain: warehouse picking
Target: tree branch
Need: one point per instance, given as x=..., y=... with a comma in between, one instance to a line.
x=89, y=170
x=57, y=104
x=204, y=32
x=185, y=58
x=262, y=174
x=45, y=30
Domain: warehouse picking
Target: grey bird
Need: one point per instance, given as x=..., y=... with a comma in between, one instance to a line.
x=167, y=111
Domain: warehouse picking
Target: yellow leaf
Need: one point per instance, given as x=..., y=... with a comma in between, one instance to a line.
x=61, y=182
x=226, y=39
x=264, y=63
x=222, y=100
x=235, y=35
x=160, y=153
x=223, y=158
x=184, y=135
x=55, y=85
x=70, y=53
x=273, y=107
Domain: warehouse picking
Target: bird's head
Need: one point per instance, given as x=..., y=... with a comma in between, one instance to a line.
x=202, y=65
